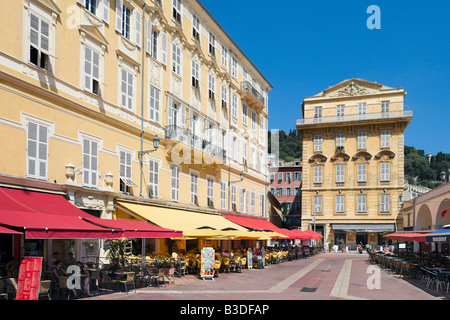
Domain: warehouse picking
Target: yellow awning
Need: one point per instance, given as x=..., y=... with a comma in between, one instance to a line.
x=193, y=224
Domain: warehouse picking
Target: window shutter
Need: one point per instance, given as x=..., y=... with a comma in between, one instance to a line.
x=119, y=9
x=149, y=36
x=137, y=40
x=170, y=111
x=42, y=152
x=105, y=11
x=164, y=48
x=88, y=68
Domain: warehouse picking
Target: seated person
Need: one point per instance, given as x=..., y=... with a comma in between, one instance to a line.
x=114, y=267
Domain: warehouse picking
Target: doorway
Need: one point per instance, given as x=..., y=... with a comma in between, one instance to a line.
x=361, y=237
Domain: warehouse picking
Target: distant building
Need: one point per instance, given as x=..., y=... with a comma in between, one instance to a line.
x=353, y=160
x=285, y=185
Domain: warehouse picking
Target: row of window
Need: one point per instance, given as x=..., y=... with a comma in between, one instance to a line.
x=296, y=176
x=362, y=110
x=361, y=203
x=37, y=166
x=361, y=173
x=285, y=191
x=361, y=140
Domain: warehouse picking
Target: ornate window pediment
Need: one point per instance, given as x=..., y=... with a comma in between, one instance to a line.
x=385, y=155
x=318, y=158
x=340, y=157
x=363, y=155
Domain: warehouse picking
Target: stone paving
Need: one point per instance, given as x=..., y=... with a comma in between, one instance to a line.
x=326, y=276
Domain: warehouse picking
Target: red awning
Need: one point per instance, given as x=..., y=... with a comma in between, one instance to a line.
x=314, y=235
x=301, y=234
x=254, y=223
x=10, y=231
x=45, y=215
x=405, y=236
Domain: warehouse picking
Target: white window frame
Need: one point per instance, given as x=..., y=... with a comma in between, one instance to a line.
x=362, y=140
x=233, y=198
x=224, y=95
x=40, y=40
x=385, y=138
x=174, y=183
x=317, y=204
x=153, y=178
x=211, y=87
x=154, y=35
x=261, y=204
x=385, y=106
x=91, y=77
x=195, y=69
x=361, y=203
x=210, y=188
x=90, y=171
x=234, y=105
x=340, y=203
x=233, y=67
x=155, y=105
x=340, y=111
x=384, y=203
x=176, y=59
x=194, y=187
x=224, y=58
x=223, y=188
x=318, y=174
x=253, y=121
x=195, y=28
x=385, y=168
x=125, y=170
x=244, y=113
x=212, y=44
x=362, y=110
x=37, y=151
x=128, y=94
x=362, y=172
x=340, y=173
x=318, y=143
x=340, y=140
x=176, y=11
x=126, y=32
x=252, y=202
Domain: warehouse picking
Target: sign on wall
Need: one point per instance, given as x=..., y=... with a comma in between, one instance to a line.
x=29, y=278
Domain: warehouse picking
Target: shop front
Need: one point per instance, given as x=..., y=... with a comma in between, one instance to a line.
x=353, y=234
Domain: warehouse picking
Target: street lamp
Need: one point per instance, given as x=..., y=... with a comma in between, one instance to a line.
x=141, y=155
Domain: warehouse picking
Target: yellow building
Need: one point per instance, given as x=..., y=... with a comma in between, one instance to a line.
x=87, y=85
x=353, y=155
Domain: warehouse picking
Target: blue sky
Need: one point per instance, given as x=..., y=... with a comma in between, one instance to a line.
x=303, y=47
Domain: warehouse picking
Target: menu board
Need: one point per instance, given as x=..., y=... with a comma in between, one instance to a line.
x=29, y=278
x=207, y=263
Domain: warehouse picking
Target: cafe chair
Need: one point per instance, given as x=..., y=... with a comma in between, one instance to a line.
x=44, y=289
x=442, y=278
x=158, y=277
x=128, y=281
x=105, y=281
x=63, y=287
x=170, y=275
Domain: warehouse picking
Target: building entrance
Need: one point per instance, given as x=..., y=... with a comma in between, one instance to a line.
x=361, y=238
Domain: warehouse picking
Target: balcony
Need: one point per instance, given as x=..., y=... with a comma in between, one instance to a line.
x=186, y=137
x=403, y=115
x=252, y=96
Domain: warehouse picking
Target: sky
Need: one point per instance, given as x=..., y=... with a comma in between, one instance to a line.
x=305, y=46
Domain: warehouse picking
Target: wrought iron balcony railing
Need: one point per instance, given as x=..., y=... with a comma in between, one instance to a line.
x=357, y=117
x=186, y=137
x=248, y=87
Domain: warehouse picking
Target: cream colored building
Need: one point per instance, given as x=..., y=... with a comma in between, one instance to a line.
x=353, y=155
x=86, y=86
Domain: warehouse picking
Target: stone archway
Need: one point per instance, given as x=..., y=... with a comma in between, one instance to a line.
x=446, y=220
x=424, y=218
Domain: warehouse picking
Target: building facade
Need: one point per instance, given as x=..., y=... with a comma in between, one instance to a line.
x=353, y=160
x=87, y=86
x=285, y=185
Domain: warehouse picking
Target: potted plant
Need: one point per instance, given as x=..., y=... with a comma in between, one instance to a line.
x=330, y=246
x=342, y=246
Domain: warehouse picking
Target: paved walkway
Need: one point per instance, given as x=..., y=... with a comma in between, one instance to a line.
x=327, y=276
